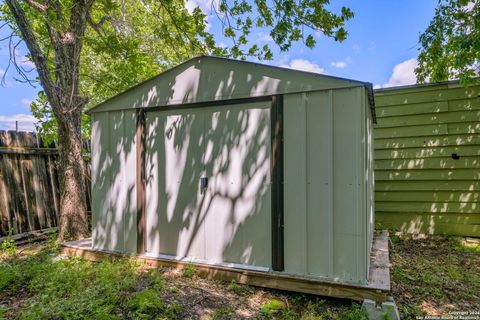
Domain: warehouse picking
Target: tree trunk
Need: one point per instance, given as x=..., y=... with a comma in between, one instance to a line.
x=73, y=222
x=64, y=97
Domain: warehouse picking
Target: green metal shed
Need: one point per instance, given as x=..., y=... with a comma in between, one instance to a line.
x=238, y=164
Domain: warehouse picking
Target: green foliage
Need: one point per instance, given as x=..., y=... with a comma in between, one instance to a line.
x=8, y=246
x=355, y=313
x=145, y=303
x=271, y=307
x=236, y=288
x=450, y=46
x=223, y=313
x=77, y=289
x=2, y=313
x=189, y=270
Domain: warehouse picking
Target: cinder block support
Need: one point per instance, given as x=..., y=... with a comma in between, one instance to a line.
x=386, y=310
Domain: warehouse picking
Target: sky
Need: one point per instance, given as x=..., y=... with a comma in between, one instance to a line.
x=381, y=48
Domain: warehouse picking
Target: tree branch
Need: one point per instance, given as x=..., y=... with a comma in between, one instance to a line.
x=36, y=52
x=97, y=26
x=37, y=5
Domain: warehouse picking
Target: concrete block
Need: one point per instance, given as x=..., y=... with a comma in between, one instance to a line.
x=386, y=310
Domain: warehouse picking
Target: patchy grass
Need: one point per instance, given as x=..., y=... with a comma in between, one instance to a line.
x=37, y=283
x=435, y=275
x=430, y=276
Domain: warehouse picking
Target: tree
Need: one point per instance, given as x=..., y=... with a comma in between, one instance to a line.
x=450, y=46
x=78, y=46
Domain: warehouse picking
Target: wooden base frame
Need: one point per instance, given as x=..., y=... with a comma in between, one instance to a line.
x=377, y=289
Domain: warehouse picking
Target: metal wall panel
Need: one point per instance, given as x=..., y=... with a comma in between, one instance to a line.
x=295, y=184
x=230, y=221
x=347, y=171
x=113, y=182
x=320, y=175
x=326, y=192
x=173, y=166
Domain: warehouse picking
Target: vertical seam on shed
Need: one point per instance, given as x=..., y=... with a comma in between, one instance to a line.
x=276, y=163
x=330, y=182
x=124, y=185
x=307, y=181
x=140, y=180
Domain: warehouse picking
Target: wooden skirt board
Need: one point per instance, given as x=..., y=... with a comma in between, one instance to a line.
x=377, y=289
x=208, y=191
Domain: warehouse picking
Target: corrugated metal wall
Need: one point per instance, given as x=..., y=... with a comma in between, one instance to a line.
x=114, y=206
x=420, y=187
x=328, y=204
x=325, y=168
x=230, y=220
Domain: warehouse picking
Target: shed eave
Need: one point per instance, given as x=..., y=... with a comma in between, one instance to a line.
x=314, y=76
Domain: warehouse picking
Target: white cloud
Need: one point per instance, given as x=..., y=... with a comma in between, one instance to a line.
x=339, y=64
x=402, y=74
x=26, y=63
x=263, y=37
x=205, y=5
x=304, y=65
x=26, y=102
x=26, y=122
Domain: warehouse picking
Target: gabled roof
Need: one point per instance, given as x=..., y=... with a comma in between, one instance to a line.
x=208, y=78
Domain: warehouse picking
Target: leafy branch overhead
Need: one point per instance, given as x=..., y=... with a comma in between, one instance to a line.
x=289, y=21
x=128, y=41
x=450, y=46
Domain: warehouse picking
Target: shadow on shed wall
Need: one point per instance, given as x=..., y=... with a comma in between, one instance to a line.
x=114, y=192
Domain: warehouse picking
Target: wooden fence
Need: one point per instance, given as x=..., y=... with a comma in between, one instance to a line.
x=29, y=193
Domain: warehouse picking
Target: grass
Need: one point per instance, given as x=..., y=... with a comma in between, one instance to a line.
x=434, y=276
x=429, y=277
x=37, y=283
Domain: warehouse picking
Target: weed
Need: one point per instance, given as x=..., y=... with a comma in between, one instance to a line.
x=52, y=242
x=223, y=313
x=395, y=239
x=8, y=246
x=298, y=298
x=189, y=270
x=355, y=313
x=271, y=307
x=236, y=288
x=145, y=303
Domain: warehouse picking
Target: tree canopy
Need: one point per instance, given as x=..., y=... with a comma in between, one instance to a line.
x=128, y=41
x=450, y=46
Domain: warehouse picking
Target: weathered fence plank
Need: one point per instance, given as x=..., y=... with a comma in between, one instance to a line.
x=29, y=186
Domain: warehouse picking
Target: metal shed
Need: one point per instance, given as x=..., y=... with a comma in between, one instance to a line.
x=241, y=165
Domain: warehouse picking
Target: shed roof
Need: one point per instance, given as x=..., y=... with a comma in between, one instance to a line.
x=209, y=78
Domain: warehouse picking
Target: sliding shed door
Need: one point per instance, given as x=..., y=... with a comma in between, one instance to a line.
x=228, y=219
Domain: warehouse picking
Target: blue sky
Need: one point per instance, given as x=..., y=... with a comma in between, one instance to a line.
x=381, y=49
